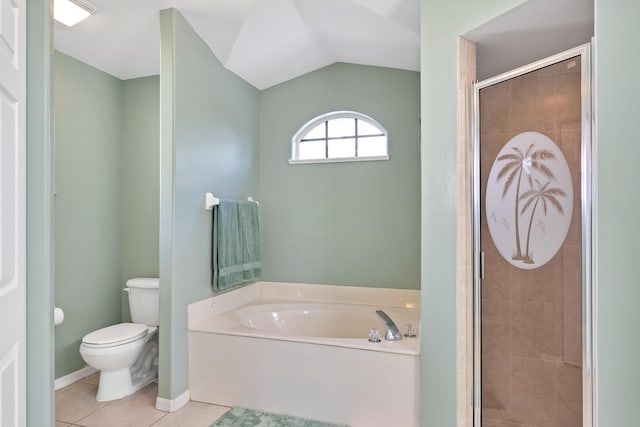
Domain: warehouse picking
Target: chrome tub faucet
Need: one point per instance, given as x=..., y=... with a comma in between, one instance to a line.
x=392, y=334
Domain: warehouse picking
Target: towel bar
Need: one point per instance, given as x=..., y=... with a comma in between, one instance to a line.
x=210, y=201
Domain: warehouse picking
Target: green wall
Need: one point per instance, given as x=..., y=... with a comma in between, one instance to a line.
x=88, y=165
x=354, y=223
x=39, y=262
x=140, y=181
x=209, y=143
x=618, y=200
x=442, y=23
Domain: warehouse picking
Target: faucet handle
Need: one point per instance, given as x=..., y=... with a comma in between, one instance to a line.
x=411, y=332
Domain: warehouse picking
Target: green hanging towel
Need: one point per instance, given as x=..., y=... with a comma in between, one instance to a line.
x=235, y=244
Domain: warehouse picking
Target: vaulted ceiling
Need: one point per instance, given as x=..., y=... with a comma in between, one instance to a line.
x=265, y=42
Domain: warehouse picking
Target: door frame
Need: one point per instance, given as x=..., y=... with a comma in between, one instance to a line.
x=588, y=230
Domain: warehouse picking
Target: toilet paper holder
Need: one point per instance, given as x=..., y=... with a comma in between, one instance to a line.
x=58, y=316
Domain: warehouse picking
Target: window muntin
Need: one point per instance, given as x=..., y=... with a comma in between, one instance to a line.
x=340, y=136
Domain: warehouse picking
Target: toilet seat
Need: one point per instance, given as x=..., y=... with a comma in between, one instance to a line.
x=116, y=335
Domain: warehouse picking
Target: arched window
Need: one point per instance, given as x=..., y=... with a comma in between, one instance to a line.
x=340, y=136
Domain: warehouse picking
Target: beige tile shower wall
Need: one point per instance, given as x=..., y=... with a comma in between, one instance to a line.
x=531, y=319
x=464, y=280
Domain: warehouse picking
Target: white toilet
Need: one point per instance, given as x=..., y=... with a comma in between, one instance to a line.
x=126, y=354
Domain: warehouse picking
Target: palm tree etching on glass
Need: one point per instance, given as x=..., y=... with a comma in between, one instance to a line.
x=518, y=232
x=545, y=195
x=516, y=163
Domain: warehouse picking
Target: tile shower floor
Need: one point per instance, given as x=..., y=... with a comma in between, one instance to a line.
x=76, y=405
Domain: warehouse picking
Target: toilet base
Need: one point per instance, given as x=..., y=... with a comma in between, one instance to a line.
x=117, y=384
x=114, y=385
x=120, y=383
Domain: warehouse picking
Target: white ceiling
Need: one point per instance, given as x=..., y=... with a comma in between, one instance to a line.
x=265, y=42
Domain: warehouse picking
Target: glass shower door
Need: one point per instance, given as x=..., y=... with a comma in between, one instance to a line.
x=532, y=236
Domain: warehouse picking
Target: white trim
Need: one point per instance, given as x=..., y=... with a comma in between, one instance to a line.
x=338, y=160
x=172, y=405
x=74, y=377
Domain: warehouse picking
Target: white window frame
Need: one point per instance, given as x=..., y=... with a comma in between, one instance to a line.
x=299, y=136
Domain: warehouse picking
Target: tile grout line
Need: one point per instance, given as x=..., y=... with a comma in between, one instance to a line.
x=160, y=419
x=77, y=422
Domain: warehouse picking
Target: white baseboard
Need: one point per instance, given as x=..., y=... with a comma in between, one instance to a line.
x=74, y=377
x=172, y=405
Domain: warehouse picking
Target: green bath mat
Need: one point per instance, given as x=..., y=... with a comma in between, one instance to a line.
x=242, y=417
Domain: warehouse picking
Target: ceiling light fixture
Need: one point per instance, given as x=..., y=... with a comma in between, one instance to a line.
x=70, y=12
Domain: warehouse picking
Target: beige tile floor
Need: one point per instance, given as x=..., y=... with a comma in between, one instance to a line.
x=76, y=405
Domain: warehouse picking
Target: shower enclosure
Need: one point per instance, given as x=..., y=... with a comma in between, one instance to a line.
x=532, y=244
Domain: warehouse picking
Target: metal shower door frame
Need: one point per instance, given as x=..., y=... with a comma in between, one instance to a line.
x=588, y=230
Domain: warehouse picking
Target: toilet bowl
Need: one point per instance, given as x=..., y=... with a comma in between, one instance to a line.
x=126, y=354
x=113, y=351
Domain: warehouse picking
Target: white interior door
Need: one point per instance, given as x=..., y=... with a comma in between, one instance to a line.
x=12, y=213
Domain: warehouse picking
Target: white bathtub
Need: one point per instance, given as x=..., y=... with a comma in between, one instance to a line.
x=303, y=350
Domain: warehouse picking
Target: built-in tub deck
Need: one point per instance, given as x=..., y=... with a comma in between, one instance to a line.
x=303, y=350
x=337, y=324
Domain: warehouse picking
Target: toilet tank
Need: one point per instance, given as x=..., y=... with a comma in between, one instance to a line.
x=144, y=300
